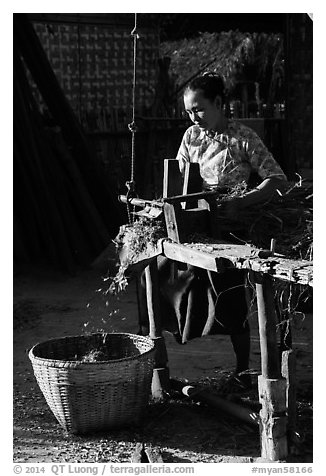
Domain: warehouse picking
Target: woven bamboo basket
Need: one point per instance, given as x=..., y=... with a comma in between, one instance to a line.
x=87, y=396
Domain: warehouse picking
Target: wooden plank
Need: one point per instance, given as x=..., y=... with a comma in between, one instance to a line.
x=294, y=272
x=183, y=254
x=171, y=215
x=218, y=255
x=172, y=178
x=215, y=256
x=192, y=183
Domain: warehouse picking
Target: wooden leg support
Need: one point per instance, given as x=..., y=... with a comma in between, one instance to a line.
x=160, y=382
x=161, y=376
x=144, y=454
x=289, y=373
x=271, y=385
x=273, y=421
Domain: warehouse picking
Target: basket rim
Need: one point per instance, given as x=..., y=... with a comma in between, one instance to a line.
x=50, y=362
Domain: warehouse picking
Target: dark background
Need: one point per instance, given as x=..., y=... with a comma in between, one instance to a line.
x=73, y=78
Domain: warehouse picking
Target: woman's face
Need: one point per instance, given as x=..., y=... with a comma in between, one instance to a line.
x=202, y=111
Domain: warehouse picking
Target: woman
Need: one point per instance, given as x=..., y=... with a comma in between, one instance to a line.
x=200, y=302
x=228, y=152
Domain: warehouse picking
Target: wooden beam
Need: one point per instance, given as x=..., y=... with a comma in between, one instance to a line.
x=184, y=254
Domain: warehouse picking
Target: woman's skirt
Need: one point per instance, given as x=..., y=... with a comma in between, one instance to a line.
x=195, y=302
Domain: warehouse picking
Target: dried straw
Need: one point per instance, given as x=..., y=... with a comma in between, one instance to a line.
x=287, y=217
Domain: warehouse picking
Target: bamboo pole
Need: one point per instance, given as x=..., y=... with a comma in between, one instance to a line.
x=200, y=394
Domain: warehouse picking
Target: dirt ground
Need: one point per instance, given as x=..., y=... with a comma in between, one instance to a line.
x=50, y=304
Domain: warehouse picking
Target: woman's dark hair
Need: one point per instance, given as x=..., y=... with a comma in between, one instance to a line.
x=211, y=84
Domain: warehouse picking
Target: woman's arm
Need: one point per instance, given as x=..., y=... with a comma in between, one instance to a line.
x=260, y=194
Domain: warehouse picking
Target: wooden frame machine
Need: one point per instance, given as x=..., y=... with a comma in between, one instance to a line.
x=185, y=209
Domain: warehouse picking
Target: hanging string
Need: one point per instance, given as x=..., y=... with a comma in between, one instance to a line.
x=132, y=126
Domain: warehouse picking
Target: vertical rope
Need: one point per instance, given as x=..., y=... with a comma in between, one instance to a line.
x=135, y=35
x=132, y=126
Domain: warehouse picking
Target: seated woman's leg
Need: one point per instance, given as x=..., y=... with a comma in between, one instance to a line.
x=241, y=347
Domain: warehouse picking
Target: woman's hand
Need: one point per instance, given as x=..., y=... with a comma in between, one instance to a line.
x=232, y=207
x=263, y=192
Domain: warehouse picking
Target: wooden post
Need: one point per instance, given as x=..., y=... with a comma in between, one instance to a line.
x=270, y=364
x=172, y=215
x=288, y=372
x=142, y=454
x=271, y=385
x=273, y=421
x=160, y=382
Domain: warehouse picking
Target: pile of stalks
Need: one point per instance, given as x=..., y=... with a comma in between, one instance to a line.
x=287, y=217
x=131, y=242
